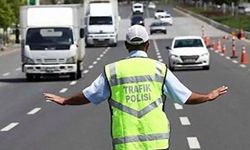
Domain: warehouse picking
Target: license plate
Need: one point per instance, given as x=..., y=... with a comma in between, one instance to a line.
x=189, y=60
x=101, y=40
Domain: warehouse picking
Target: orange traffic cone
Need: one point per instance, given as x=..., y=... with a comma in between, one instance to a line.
x=225, y=37
x=242, y=34
x=219, y=48
x=207, y=41
x=223, y=51
x=244, y=59
x=214, y=45
x=234, y=55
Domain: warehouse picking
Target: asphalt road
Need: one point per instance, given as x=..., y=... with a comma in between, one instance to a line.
x=28, y=122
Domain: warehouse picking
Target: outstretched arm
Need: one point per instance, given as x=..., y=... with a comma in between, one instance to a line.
x=78, y=99
x=197, y=98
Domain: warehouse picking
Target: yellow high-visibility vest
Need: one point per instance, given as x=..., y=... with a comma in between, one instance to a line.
x=138, y=119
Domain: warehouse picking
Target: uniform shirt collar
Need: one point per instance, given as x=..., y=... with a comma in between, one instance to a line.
x=138, y=53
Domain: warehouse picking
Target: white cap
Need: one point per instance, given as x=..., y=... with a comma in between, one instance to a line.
x=137, y=34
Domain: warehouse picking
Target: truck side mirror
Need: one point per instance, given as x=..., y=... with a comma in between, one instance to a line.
x=81, y=33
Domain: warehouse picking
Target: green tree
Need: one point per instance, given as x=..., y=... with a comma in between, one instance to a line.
x=225, y=1
x=72, y=1
x=6, y=18
x=15, y=5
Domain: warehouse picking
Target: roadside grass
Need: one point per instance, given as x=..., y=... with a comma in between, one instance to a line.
x=236, y=22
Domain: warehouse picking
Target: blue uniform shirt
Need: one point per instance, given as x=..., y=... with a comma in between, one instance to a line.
x=99, y=90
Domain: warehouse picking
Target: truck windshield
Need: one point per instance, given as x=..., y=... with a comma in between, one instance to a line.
x=49, y=38
x=100, y=20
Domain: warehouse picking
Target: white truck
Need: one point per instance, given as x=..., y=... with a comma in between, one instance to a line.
x=102, y=22
x=52, y=38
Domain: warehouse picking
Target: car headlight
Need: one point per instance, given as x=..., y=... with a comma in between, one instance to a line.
x=205, y=54
x=28, y=60
x=71, y=60
x=173, y=55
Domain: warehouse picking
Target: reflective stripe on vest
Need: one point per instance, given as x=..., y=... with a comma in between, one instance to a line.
x=117, y=81
x=136, y=113
x=141, y=138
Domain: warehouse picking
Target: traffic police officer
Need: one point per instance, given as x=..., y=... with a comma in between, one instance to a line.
x=135, y=87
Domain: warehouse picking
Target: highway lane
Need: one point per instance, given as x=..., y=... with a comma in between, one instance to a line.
x=87, y=127
x=15, y=106
x=214, y=122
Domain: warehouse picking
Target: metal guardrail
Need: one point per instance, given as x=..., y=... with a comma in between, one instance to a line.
x=213, y=23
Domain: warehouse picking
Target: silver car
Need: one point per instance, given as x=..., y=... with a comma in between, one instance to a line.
x=158, y=26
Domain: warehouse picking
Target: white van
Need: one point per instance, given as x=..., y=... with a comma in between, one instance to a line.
x=102, y=23
x=137, y=7
x=52, y=44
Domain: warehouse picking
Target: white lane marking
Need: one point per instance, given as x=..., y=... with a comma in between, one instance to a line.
x=243, y=66
x=18, y=69
x=108, y=48
x=63, y=90
x=178, y=106
x=91, y=66
x=95, y=62
x=49, y=101
x=155, y=45
x=33, y=111
x=98, y=58
x=6, y=74
x=193, y=143
x=101, y=55
x=73, y=83
x=85, y=71
x=228, y=57
x=157, y=51
x=184, y=121
x=9, y=127
x=235, y=61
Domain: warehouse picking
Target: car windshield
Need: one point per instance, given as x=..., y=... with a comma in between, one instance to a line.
x=100, y=21
x=160, y=11
x=49, y=38
x=188, y=43
x=137, y=7
x=158, y=24
x=165, y=16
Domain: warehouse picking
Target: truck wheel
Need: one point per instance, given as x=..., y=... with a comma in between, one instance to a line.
x=37, y=77
x=73, y=76
x=79, y=74
x=79, y=71
x=206, y=67
x=29, y=77
x=113, y=45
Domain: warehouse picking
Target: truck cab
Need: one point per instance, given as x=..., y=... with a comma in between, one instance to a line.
x=52, y=44
x=102, y=24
